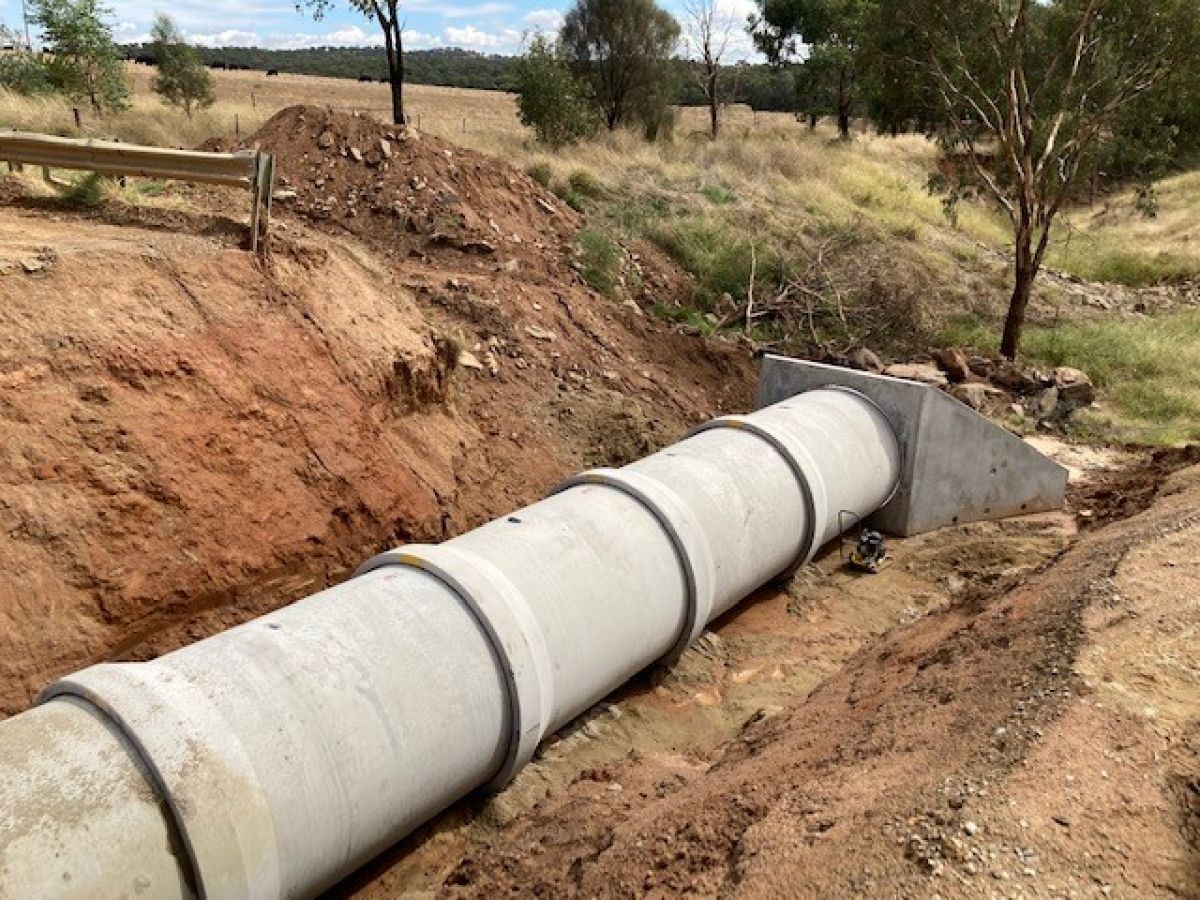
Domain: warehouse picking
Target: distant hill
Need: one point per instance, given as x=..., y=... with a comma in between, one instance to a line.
x=758, y=86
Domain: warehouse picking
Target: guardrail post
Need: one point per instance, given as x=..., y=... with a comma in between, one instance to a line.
x=262, y=191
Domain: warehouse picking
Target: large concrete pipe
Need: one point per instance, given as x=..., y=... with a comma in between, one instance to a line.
x=273, y=759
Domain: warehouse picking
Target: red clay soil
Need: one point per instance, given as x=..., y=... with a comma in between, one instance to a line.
x=190, y=436
x=409, y=192
x=1110, y=495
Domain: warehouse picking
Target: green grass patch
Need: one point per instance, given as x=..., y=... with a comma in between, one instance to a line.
x=1147, y=371
x=150, y=188
x=585, y=184
x=719, y=259
x=965, y=254
x=85, y=190
x=968, y=330
x=717, y=195
x=541, y=172
x=1095, y=259
x=599, y=259
x=683, y=315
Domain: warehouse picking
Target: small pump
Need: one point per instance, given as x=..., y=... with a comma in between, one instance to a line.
x=870, y=553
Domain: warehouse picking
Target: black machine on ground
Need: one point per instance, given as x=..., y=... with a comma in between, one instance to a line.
x=870, y=553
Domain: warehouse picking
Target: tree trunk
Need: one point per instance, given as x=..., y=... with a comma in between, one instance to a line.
x=845, y=104
x=1024, y=272
x=395, y=59
x=812, y=121
x=843, y=118
x=713, y=109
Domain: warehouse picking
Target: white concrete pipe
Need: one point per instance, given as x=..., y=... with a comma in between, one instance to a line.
x=277, y=757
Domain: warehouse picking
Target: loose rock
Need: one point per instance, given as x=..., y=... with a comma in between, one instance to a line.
x=864, y=360
x=922, y=372
x=1074, y=386
x=954, y=363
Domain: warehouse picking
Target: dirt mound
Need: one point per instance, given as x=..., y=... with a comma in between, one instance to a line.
x=191, y=435
x=410, y=192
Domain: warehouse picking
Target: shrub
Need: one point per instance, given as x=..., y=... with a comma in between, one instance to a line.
x=84, y=63
x=717, y=195
x=24, y=73
x=549, y=98
x=585, y=184
x=86, y=190
x=541, y=172
x=599, y=260
x=182, y=79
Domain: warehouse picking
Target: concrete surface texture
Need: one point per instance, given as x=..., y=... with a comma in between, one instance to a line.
x=958, y=466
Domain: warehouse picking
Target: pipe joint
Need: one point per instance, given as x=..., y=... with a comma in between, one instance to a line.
x=804, y=470
x=511, y=628
x=199, y=768
x=687, y=537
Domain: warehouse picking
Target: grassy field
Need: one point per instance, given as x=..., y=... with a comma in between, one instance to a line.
x=247, y=99
x=1113, y=241
x=1147, y=371
x=845, y=237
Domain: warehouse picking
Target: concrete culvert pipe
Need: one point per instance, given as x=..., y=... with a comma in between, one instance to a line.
x=275, y=758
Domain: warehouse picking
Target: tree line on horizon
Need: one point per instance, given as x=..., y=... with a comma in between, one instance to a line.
x=761, y=86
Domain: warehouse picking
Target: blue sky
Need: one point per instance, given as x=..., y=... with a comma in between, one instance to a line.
x=489, y=26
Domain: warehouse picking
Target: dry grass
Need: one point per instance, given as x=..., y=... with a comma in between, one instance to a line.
x=854, y=222
x=770, y=189
x=485, y=120
x=1113, y=241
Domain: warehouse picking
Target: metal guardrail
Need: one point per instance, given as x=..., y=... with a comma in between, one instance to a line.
x=250, y=169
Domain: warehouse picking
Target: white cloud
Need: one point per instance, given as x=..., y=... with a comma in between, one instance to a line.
x=231, y=37
x=130, y=33
x=456, y=10
x=349, y=36
x=506, y=40
x=483, y=9
x=544, y=19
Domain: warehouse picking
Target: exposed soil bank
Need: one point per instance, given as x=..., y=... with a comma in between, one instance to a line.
x=190, y=437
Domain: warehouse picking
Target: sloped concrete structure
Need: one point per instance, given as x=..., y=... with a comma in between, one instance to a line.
x=957, y=466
